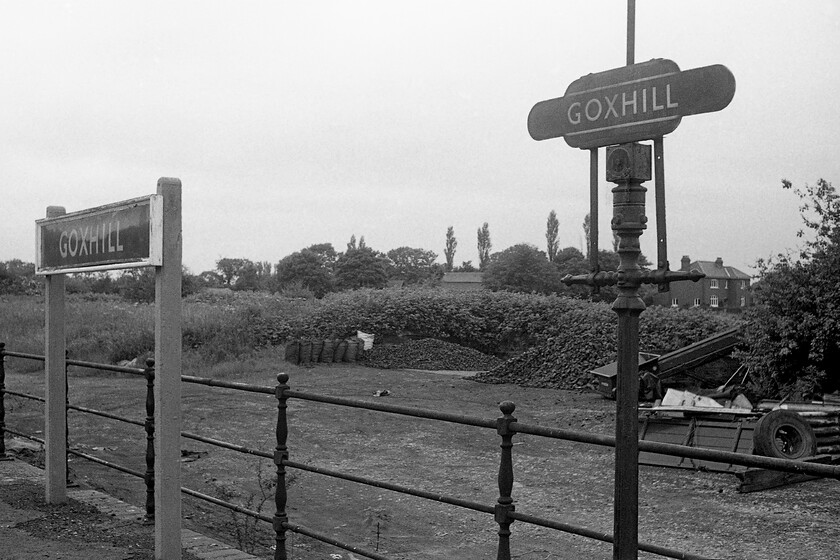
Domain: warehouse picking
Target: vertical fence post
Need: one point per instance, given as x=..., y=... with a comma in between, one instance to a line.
x=3, y=456
x=150, y=440
x=505, y=503
x=281, y=453
x=66, y=411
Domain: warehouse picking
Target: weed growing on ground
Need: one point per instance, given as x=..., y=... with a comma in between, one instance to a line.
x=249, y=531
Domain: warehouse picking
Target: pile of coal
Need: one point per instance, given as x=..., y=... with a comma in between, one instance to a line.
x=555, y=364
x=430, y=354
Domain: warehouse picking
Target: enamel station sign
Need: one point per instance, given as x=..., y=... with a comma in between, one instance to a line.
x=121, y=235
x=631, y=103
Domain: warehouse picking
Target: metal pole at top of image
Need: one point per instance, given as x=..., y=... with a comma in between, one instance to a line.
x=631, y=32
x=628, y=223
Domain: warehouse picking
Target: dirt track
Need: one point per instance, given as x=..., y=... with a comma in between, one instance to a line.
x=692, y=511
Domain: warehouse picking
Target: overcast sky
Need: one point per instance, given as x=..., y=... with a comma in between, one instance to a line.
x=294, y=123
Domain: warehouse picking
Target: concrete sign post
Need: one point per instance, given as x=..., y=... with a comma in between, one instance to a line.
x=168, y=378
x=144, y=231
x=55, y=387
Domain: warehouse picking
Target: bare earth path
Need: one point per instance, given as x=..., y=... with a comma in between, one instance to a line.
x=695, y=512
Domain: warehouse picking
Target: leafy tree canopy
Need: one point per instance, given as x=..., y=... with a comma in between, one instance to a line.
x=466, y=266
x=793, y=331
x=484, y=246
x=522, y=268
x=18, y=277
x=308, y=268
x=361, y=267
x=552, y=228
x=451, y=245
x=412, y=265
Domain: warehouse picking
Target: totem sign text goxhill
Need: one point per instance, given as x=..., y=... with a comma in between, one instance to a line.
x=631, y=103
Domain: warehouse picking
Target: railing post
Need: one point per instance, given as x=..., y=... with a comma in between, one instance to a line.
x=150, y=440
x=281, y=453
x=505, y=506
x=3, y=456
x=66, y=411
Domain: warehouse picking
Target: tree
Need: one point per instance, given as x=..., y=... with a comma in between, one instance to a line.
x=466, y=266
x=571, y=261
x=451, y=245
x=361, y=268
x=18, y=277
x=253, y=276
x=244, y=274
x=210, y=279
x=412, y=265
x=306, y=268
x=230, y=269
x=138, y=284
x=522, y=268
x=326, y=252
x=484, y=246
x=793, y=330
x=587, y=233
x=552, y=228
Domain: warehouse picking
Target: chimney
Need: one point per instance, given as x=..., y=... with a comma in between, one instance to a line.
x=685, y=263
x=719, y=262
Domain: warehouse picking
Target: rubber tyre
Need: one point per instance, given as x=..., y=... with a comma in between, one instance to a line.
x=785, y=435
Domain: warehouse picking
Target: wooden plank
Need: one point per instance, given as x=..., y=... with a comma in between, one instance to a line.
x=676, y=431
x=723, y=435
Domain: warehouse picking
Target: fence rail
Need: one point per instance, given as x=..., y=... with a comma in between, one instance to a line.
x=503, y=511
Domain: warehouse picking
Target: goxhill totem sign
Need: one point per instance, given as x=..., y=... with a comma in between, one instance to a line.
x=617, y=109
x=631, y=103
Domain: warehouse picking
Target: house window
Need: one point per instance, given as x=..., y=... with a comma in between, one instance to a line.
x=713, y=283
x=726, y=284
x=743, y=301
x=697, y=302
x=743, y=284
x=675, y=302
x=713, y=301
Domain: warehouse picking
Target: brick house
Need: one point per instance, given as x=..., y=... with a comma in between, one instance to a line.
x=724, y=287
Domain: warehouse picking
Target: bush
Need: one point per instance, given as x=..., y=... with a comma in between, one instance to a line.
x=498, y=323
x=793, y=332
x=586, y=339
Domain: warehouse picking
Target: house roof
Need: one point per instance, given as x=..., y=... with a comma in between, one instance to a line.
x=463, y=277
x=713, y=269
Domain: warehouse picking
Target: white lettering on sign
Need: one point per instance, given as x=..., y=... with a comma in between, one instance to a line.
x=91, y=240
x=634, y=102
x=592, y=103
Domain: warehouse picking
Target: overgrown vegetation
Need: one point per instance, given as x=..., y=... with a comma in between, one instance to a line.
x=791, y=337
x=217, y=325
x=222, y=325
x=793, y=332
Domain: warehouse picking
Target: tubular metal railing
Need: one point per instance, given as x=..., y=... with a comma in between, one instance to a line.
x=503, y=511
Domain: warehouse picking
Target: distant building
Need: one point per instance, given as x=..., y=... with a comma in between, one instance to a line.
x=463, y=281
x=724, y=287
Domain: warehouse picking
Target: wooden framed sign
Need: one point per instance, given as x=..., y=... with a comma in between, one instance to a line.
x=120, y=235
